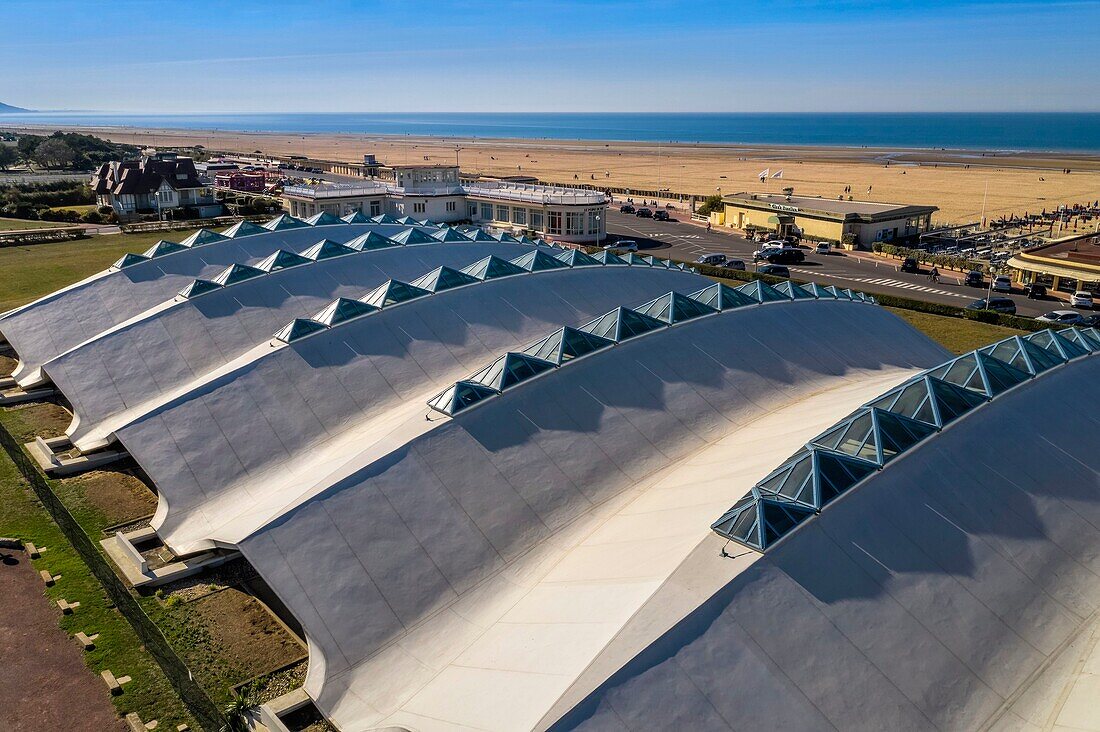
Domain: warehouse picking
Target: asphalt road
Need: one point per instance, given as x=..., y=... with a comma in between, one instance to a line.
x=686, y=241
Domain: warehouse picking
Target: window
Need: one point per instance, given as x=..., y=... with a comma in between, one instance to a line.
x=487, y=211
x=418, y=207
x=519, y=216
x=452, y=206
x=593, y=221
x=471, y=210
x=555, y=222
x=574, y=223
x=502, y=213
x=536, y=220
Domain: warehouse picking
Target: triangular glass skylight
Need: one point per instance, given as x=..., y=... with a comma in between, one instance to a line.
x=537, y=261
x=606, y=257
x=199, y=287
x=741, y=523
x=952, y=401
x=413, y=236
x=577, y=258
x=637, y=260
x=129, y=260
x=203, y=237
x=1000, y=375
x=793, y=291
x=911, y=400
x=461, y=395
x=779, y=519
x=836, y=473
x=896, y=433
x=392, y=292
x=343, y=309
x=243, y=228
x=324, y=218
x=1091, y=335
x=370, y=241
x=820, y=291
x=407, y=221
x=383, y=219
x=298, y=328
x=507, y=238
x=528, y=242
x=446, y=235
x=355, y=217
x=565, y=344
x=281, y=259
x=621, y=324
x=794, y=479
x=1079, y=337
x=761, y=291
x=675, y=308
x=1069, y=349
x=235, y=273
x=509, y=370
x=491, y=268
x=282, y=222
x=479, y=235
x=327, y=249
x=443, y=278
x=161, y=248
x=722, y=297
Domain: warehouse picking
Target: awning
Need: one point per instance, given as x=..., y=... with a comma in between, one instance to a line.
x=781, y=219
x=1056, y=270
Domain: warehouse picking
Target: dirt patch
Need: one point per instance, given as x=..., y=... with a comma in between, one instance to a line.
x=43, y=681
x=278, y=683
x=7, y=365
x=119, y=496
x=38, y=419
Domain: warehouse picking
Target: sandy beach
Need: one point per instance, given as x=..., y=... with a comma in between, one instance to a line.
x=959, y=182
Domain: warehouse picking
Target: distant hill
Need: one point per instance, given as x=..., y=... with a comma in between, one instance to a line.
x=8, y=109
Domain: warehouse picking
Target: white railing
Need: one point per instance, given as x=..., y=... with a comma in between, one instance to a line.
x=537, y=194
x=335, y=190
x=499, y=192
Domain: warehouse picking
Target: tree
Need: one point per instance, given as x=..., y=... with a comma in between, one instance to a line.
x=8, y=155
x=710, y=205
x=27, y=145
x=54, y=153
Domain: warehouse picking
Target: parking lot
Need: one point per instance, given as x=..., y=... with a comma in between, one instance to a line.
x=687, y=241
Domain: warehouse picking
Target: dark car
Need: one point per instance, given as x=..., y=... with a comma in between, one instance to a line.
x=644, y=213
x=1091, y=321
x=974, y=279
x=910, y=265
x=1035, y=291
x=785, y=256
x=775, y=270
x=626, y=208
x=661, y=216
x=996, y=304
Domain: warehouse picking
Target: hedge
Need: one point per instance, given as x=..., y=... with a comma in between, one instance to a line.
x=938, y=260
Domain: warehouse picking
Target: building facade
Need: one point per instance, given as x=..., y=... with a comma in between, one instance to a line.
x=1068, y=265
x=865, y=222
x=435, y=193
x=153, y=184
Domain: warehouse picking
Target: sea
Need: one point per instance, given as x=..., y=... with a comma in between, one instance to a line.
x=1002, y=132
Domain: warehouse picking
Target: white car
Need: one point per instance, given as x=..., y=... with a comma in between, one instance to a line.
x=1081, y=299
x=1062, y=317
x=1002, y=283
x=626, y=245
x=822, y=248
x=715, y=260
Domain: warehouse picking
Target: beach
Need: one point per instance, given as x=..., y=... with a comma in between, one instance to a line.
x=962, y=183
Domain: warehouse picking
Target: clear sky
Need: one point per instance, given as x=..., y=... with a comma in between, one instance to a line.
x=550, y=55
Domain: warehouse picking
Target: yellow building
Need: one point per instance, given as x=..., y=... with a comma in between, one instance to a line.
x=866, y=222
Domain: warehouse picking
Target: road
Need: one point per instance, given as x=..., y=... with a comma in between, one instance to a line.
x=685, y=241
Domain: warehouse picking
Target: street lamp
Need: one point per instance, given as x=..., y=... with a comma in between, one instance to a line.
x=598, y=231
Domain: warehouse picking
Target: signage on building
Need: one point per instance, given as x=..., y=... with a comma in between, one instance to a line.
x=781, y=207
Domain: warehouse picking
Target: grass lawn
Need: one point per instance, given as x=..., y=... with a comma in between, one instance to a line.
x=17, y=224
x=957, y=335
x=83, y=208
x=117, y=648
x=29, y=272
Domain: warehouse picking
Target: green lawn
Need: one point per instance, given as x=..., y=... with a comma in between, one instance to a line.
x=28, y=272
x=957, y=335
x=117, y=648
x=17, y=224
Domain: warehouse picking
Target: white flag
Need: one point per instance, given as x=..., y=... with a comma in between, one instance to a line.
x=764, y=173
x=777, y=174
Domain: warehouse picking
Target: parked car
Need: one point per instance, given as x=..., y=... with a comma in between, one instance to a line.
x=644, y=213
x=1002, y=283
x=626, y=208
x=784, y=256
x=1035, y=291
x=1091, y=321
x=775, y=270
x=822, y=248
x=626, y=245
x=1081, y=299
x=661, y=216
x=996, y=304
x=738, y=264
x=1062, y=317
x=974, y=279
x=714, y=260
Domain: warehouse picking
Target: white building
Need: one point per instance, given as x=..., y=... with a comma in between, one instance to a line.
x=434, y=193
x=505, y=486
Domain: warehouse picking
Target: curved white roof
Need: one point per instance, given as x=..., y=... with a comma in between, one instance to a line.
x=51, y=325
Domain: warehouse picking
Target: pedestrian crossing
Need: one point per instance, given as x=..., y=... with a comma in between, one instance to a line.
x=887, y=282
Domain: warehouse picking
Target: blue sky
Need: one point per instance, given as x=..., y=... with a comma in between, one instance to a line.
x=554, y=55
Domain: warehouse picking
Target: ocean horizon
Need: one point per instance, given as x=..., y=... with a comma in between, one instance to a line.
x=995, y=131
